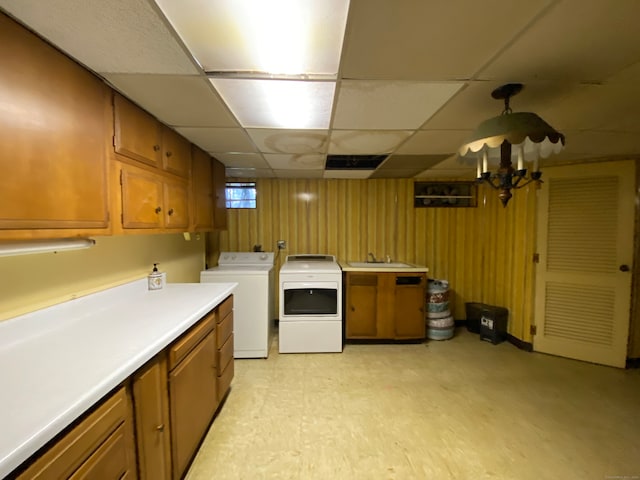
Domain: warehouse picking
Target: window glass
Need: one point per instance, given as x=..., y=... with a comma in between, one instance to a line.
x=241, y=195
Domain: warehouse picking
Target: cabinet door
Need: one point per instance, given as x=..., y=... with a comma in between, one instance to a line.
x=150, y=400
x=54, y=138
x=362, y=294
x=202, y=191
x=142, y=198
x=409, y=315
x=176, y=205
x=137, y=134
x=76, y=447
x=176, y=153
x=219, y=188
x=109, y=461
x=193, y=401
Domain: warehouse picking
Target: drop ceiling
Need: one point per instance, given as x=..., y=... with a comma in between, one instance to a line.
x=414, y=79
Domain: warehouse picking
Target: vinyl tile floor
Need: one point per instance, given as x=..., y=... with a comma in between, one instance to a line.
x=455, y=409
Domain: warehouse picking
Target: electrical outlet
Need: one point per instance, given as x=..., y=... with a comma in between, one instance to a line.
x=282, y=244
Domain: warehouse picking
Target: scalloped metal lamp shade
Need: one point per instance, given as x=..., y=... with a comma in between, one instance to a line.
x=520, y=137
x=519, y=128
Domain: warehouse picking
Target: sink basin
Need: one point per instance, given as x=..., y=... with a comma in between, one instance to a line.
x=380, y=265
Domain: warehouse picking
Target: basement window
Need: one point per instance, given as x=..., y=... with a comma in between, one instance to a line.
x=241, y=194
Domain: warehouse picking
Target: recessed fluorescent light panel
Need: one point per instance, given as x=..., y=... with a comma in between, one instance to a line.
x=278, y=103
x=274, y=62
x=279, y=37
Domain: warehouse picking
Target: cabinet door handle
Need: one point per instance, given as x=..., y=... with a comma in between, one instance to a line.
x=158, y=209
x=168, y=154
x=353, y=309
x=160, y=428
x=624, y=268
x=156, y=148
x=170, y=212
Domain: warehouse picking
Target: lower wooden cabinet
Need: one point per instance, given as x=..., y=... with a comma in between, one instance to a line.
x=151, y=427
x=193, y=400
x=99, y=446
x=151, y=411
x=224, y=346
x=385, y=305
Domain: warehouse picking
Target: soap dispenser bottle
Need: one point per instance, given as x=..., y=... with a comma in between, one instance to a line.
x=155, y=278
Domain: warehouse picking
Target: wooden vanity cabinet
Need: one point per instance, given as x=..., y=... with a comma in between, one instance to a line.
x=361, y=314
x=385, y=305
x=151, y=410
x=54, y=141
x=100, y=445
x=409, y=306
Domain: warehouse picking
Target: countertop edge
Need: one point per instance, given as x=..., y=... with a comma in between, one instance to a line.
x=12, y=459
x=413, y=269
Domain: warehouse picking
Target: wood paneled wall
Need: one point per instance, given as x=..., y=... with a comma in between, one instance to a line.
x=485, y=252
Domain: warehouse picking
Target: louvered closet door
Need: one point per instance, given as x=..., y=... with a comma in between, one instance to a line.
x=585, y=236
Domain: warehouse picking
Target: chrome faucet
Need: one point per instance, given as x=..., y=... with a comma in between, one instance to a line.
x=373, y=258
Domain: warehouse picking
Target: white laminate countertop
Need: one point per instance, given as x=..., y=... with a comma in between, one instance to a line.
x=383, y=267
x=57, y=362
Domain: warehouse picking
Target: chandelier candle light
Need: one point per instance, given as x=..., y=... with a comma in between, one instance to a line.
x=523, y=135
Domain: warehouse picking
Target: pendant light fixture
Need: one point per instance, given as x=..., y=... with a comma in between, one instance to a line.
x=521, y=136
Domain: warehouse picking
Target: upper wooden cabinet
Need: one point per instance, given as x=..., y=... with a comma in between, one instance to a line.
x=202, y=195
x=219, y=187
x=139, y=136
x=151, y=201
x=55, y=130
x=176, y=153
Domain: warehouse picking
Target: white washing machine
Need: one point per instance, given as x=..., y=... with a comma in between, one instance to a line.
x=253, y=303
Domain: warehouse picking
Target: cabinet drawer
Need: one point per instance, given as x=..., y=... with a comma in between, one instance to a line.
x=190, y=339
x=225, y=355
x=71, y=451
x=109, y=461
x=225, y=329
x=225, y=308
x=224, y=380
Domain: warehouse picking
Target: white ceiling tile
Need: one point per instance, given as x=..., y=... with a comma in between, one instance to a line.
x=351, y=142
x=295, y=161
x=242, y=160
x=420, y=40
x=114, y=36
x=249, y=173
x=348, y=174
x=595, y=143
x=434, y=141
x=290, y=141
x=380, y=105
x=219, y=140
x=298, y=173
x=185, y=101
x=578, y=40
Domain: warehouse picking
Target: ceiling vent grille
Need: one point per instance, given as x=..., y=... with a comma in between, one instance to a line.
x=354, y=162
